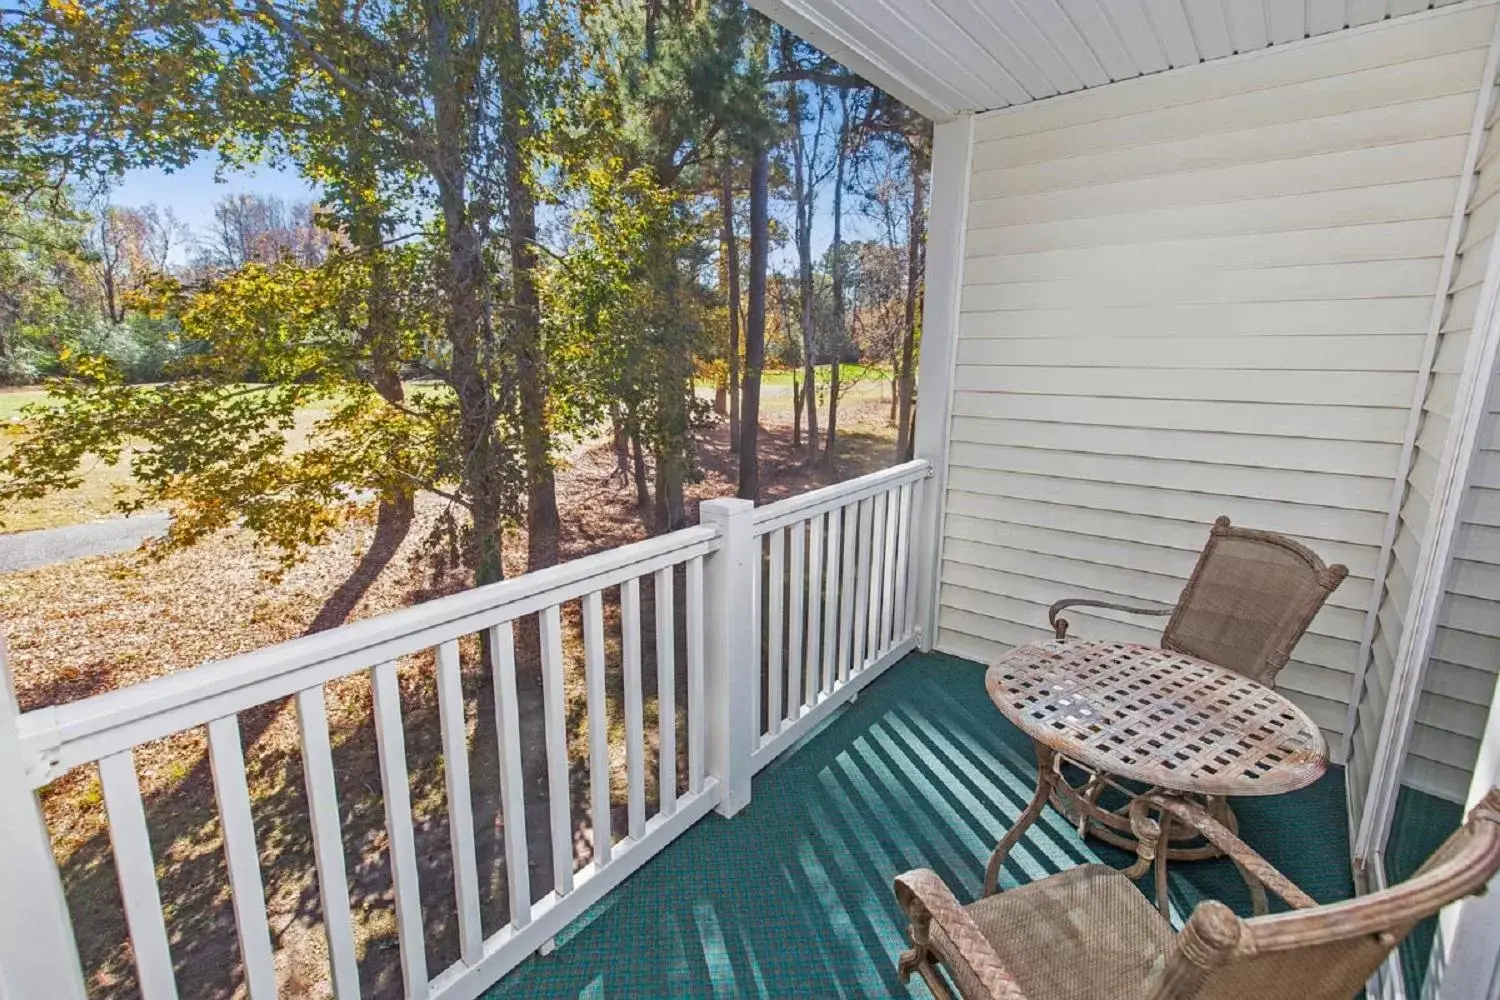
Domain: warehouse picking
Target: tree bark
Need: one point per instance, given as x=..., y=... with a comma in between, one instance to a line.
x=836, y=255
x=526, y=322
x=755, y=324
x=732, y=269
x=916, y=238
x=463, y=323
x=805, y=196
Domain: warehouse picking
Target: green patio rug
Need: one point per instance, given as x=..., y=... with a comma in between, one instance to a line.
x=792, y=897
x=1422, y=822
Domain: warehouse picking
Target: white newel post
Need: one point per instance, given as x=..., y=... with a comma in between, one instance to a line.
x=38, y=957
x=728, y=669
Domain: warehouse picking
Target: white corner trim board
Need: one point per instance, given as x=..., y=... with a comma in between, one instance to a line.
x=952, y=151
x=1432, y=570
x=1483, y=103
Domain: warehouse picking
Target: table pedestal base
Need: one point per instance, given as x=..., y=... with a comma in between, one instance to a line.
x=1128, y=827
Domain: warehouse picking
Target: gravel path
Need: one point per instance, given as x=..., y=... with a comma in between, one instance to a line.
x=30, y=549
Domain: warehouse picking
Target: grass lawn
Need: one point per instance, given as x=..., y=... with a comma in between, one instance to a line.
x=105, y=485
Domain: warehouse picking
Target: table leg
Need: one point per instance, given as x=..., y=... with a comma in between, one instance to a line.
x=1045, y=778
x=1162, y=902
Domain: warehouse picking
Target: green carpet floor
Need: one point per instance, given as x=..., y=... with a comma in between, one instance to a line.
x=792, y=897
x=1422, y=822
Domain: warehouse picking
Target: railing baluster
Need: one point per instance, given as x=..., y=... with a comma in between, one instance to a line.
x=814, y=604
x=135, y=867
x=328, y=842
x=757, y=655
x=831, y=626
x=847, y=590
x=903, y=561
x=873, y=641
x=862, y=596
x=776, y=609
x=697, y=718
x=666, y=694
x=593, y=666
x=794, y=624
x=512, y=789
x=390, y=741
x=635, y=735
x=454, y=731
x=559, y=805
x=887, y=593
x=227, y=762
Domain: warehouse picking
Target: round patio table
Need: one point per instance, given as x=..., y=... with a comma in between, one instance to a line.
x=1193, y=731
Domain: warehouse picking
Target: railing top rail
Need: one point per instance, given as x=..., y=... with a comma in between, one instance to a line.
x=805, y=505
x=58, y=737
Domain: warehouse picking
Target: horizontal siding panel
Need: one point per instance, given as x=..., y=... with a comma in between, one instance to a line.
x=1334, y=56
x=1434, y=118
x=1349, y=317
x=1342, y=244
x=1319, y=423
x=1332, y=388
x=1343, y=458
x=1293, y=105
x=1333, y=622
x=1311, y=282
x=1187, y=536
x=1474, y=579
x=1304, y=521
x=1380, y=354
x=1266, y=484
x=1370, y=204
x=1450, y=783
x=1409, y=161
x=1039, y=557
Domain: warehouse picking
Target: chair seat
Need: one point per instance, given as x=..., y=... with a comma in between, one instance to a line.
x=1080, y=935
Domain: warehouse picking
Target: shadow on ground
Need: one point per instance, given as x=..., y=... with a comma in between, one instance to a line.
x=793, y=895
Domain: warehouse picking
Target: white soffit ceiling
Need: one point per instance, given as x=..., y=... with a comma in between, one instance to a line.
x=944, y=57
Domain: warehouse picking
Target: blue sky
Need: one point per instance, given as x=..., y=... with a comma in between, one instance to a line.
x=192, y=191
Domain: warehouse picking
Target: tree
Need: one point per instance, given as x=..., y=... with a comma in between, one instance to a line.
x=250, y=228
x=732, y=288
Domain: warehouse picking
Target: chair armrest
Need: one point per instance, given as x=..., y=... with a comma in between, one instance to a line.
x=1060, y=625
x=1242, y=854
x=971, y=959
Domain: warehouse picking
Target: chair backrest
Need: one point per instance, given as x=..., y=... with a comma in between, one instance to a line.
x=1327, y=952
x=1250, y=598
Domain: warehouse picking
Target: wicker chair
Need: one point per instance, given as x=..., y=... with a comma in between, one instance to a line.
x=1251, y=597
x=1088, y=933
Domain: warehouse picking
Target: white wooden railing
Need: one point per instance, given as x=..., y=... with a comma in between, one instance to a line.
x=836, y=614
x=833, y=589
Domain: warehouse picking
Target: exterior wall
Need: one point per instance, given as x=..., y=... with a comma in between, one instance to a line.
x=1460, y=676
x=1205, y=292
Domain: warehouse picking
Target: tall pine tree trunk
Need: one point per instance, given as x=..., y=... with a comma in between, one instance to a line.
x=464, y=327
x=732, y=269
x=805, y=196
x=755, y=323
x=526, y=321
x=836, y=254
x=916, y=238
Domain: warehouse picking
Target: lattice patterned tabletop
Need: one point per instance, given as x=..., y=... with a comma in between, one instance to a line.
x=1160, y=717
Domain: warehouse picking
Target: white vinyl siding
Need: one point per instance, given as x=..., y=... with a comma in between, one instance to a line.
x=1460, y=676
x=1198, y=294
